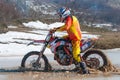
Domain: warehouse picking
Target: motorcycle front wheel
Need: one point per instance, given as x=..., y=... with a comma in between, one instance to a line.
x=29, y=62
x=95, y=59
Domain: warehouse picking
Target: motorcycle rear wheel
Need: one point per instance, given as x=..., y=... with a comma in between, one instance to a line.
x=29, y=62
x=95, y=59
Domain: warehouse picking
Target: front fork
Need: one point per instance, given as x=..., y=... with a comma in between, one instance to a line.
x=40, y=56
x=41, y=52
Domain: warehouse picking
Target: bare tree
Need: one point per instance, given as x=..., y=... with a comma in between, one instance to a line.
x=8, y=11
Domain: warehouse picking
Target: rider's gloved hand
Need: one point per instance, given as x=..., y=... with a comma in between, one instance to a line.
x=53, y=30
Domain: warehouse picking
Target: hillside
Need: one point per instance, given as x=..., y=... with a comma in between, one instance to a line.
x=95, y=11
x=114, y=3
x=111, y=3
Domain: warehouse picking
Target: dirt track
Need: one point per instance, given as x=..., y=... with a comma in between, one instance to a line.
x=58, y=76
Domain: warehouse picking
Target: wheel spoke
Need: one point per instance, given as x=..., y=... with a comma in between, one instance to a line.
x=30, y=61
x=95, y=59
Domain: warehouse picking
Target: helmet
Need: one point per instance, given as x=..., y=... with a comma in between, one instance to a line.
x=64, y=12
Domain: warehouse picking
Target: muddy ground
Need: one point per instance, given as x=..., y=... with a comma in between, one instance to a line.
x=59, y=75
x=58, y=72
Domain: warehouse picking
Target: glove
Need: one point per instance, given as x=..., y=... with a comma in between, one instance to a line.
x=53, y=30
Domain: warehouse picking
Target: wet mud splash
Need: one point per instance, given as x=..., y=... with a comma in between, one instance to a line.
x=108, y=68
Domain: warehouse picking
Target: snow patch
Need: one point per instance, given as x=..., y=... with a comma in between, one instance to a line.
x=39, y=25
x=36, y=24
x=12, y=26
x=55, y=25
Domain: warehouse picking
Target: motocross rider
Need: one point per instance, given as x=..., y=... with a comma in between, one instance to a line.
x=72, y=27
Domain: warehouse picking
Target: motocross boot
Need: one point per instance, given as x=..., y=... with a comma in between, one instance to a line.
x=82, y=68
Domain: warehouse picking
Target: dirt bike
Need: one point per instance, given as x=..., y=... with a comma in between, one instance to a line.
x=62, y=49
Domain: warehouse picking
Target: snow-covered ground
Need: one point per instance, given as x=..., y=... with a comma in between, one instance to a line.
x=14, y=43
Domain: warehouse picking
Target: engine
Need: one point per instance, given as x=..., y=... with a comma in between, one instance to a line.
x=62, y=56
x=62, y=50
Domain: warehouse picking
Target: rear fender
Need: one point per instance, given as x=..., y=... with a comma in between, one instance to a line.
x=87, y=45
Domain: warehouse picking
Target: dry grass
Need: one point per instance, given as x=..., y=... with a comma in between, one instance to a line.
x=3, y=28
x=108, y=39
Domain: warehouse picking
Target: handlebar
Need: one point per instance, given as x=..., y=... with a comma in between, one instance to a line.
x=30, y=43
x=42, y=41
